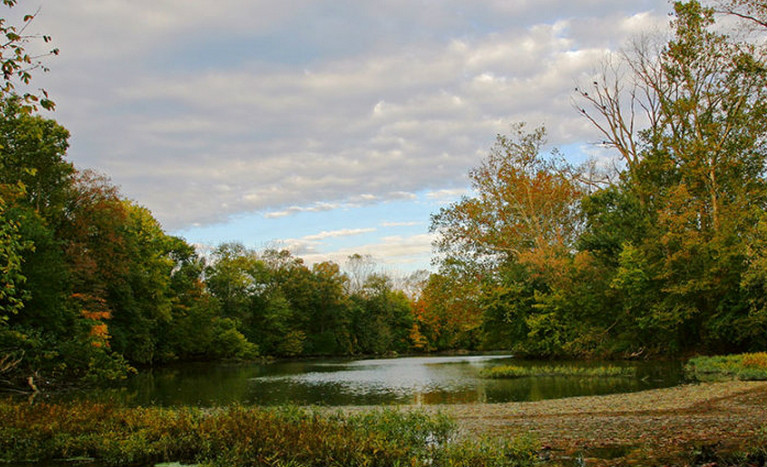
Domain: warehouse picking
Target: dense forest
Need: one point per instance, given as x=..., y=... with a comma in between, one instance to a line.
x=662, y=253
x=92, y=284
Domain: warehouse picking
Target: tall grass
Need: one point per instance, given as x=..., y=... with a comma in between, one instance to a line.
x=238, y=436
x=513, y=371
x=745, y=367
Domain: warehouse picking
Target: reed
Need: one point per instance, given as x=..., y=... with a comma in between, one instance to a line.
x=513, y=371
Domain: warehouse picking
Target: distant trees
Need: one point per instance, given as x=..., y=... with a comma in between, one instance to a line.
x=545, y=258
x=91, y=285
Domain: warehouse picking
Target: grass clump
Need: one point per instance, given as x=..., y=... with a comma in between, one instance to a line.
x=744, y=367
x=753, y=453
x=238, y=436
x=513, y=371
x=517, y=452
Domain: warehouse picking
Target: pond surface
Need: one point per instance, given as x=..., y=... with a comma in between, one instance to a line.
x=409, y=380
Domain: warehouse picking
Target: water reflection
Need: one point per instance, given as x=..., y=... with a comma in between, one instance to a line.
x=414, y=380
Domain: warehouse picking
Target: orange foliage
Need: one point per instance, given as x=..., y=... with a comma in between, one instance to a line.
x=755, y=360
x=100, y=335
x=419, y=340
x=95, y=310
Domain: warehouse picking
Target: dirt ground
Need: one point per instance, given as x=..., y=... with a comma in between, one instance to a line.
x=644, y=425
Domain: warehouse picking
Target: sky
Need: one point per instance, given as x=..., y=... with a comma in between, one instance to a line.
x=329, y=127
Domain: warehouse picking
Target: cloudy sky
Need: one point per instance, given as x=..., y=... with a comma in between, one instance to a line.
x=326, y=126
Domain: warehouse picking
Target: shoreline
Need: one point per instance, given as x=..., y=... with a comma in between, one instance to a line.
x=691, y=425
x=654, y=424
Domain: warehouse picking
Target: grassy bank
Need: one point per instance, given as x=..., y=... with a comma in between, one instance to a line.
x=744, y=367
x=513, y=371
x=238, y=436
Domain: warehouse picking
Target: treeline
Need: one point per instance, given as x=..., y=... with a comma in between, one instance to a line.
x=91, y=285
x=663, y=255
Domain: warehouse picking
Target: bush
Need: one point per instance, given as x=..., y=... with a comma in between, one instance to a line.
x=744, y=367
x=228, y=342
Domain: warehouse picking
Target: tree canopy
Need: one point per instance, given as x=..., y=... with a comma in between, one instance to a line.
x=665, y=259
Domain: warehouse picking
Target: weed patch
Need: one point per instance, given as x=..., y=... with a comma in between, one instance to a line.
x=239, y=436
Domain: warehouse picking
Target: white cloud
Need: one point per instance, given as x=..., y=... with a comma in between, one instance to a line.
x=337, y=233
x=310, y=246
x=400, y=224
x=393, y=251
x=297, y=106
x=447, y=194
x=317, y=207
x=401, y=195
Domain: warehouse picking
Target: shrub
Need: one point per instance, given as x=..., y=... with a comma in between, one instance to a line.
x=745, y=367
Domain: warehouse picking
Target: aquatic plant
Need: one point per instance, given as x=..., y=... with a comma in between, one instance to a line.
x=745, y=367
x=513, y=371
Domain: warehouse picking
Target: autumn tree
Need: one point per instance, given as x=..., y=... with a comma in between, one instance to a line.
x=447, y=314
x=696, y=171
x=520, y=227
x=524, y=208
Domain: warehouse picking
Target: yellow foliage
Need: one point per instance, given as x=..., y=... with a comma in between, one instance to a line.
x=755, y=360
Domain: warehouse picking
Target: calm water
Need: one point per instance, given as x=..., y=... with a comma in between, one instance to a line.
x=411, y=380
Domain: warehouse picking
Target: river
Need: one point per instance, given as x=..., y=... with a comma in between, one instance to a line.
x=390, y=381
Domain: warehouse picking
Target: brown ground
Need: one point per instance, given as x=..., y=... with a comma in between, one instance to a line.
x=642, y=428
x=661, y=421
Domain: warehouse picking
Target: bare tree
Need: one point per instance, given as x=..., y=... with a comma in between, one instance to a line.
x=359, y=268
x=623, y=98
x=699, y=94
x=413, y=284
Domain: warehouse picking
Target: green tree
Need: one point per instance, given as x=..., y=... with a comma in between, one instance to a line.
x=11, y=278
x=17, y=63
x=697, y=173
x=32, y=156
x=382, y=318
x=515, y=238
x=329, y=314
